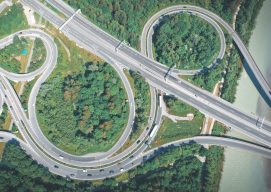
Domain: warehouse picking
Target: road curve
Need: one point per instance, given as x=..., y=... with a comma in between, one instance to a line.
x=68, y=158
x=32, y=124
x=90, y=37
x=132, y=162
x=264, y=87
x=148, y=31
x=172, y=86
x=37, y=33
x=80, y=19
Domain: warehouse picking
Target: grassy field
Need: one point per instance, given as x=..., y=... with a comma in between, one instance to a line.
x=219, y=129
x=15, y=18
x=171, y=131
x=4, y=118
x=26, y=92
x=2, y=147
x=39, y=55
x=177, y=107
x=11, y=57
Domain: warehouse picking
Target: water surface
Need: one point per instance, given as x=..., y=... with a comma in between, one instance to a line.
x=245, y=171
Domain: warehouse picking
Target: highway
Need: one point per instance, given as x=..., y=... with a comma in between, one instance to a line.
x=99, y=166
x=30, y=128
x=263, y=85
x=85, y=34
x=33, y=129
x=93, y=156
x=133, y=161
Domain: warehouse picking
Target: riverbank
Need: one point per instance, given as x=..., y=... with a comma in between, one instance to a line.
x=244, y=171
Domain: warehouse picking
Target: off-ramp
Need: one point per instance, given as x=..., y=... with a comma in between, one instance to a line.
x=88, y=168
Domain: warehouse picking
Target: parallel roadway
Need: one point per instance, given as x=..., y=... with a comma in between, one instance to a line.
x=90, y=37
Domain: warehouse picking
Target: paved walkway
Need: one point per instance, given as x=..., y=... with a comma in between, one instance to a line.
x=174, y=118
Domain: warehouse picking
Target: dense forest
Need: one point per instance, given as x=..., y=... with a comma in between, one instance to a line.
x=3, y=115
x=95, y=110
x=8, y=55
x=246, y=18
x=183, y=41
x=172, y=169
x=125, y=19
x=142, y=100
x=233, y=71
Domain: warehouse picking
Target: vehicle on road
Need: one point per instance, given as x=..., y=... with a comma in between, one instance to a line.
x=153, y=131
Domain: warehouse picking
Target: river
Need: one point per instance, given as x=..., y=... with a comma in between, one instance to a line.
x=245, y=171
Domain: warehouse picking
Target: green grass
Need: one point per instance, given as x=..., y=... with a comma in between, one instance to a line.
x=26, y=92
x=219, y=129
x=39, y=55
x=11, y=57
x=171, y=131
x=177, y=107
x=3, y=116
x=12, y=20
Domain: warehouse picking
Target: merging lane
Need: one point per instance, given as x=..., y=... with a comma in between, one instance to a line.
x=133, y=161
x=88, y=36
x=148, y=31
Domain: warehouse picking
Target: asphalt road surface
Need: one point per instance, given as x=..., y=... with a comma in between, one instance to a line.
x=119, y=55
